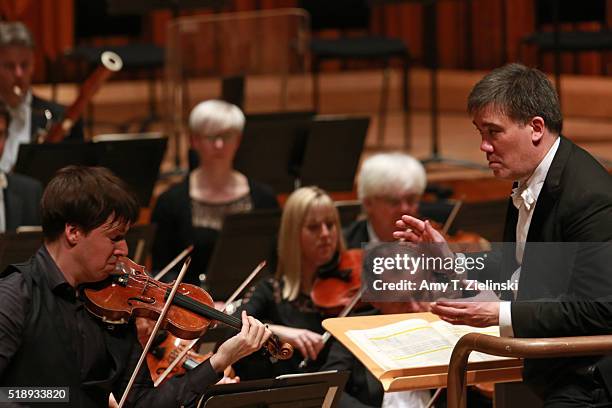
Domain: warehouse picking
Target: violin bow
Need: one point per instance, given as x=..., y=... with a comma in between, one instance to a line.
x=451, y=217
x=176, y=260
x=192, y=343
x=347, y=309
x=162, y=315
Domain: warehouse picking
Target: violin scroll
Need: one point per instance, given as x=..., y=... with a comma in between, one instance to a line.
x=278, y=350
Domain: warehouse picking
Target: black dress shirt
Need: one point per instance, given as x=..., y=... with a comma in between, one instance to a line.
x=86, y=340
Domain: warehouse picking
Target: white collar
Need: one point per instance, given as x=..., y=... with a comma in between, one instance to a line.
x=530, y=188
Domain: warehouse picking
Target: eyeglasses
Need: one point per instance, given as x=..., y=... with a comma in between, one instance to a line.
x=396, y=201
x=225, y=137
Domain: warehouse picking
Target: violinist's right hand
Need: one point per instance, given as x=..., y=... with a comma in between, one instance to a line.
x=251, y=338
x=309, y=343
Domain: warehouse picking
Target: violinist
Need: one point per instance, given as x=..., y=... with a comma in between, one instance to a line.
x=30, y=113
x=192, y=212
x=48, y=338
x=389, y=185
x=309, y=244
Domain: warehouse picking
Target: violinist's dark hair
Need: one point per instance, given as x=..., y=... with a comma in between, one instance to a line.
x=86, y=197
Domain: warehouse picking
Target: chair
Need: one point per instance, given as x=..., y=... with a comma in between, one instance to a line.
x=355, y=15
x=555, y=13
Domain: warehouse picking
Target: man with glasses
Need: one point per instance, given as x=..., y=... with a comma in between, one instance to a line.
x=390, y=185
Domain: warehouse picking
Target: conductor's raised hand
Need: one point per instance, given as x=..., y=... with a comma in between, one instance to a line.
x=251, y=337
x=413, y=230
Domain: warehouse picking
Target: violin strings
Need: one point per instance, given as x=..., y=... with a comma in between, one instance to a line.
x=205, y=310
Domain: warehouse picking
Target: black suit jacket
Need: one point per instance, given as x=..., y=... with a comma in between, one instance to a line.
x=574, y=206
x=38, y=120
x=22, y=201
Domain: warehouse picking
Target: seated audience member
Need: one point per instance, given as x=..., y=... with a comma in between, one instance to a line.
x=29, y=112
x=309, y=245
x=47, y=336
x=192, y=211
x=19, y=195
x=389, y=185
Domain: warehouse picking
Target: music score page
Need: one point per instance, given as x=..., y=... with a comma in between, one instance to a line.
x=416, y=343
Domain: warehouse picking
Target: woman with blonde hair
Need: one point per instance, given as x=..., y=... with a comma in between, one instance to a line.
x=309, y=245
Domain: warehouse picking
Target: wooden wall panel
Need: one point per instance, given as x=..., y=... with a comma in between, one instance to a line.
x=479, y=34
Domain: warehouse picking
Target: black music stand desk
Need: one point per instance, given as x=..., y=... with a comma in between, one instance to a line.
x=333, y=149
x=135, y=160
x=304, y=390
x=272, y=146
x=245, y=240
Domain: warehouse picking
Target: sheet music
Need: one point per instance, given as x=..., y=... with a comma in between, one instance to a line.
x=415, y=343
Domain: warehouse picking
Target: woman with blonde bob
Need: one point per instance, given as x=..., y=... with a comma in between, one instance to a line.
x=192, y=212
x=309, y=245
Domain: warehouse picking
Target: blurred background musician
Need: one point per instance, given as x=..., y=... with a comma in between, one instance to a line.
x=192, y=211
x=309, y=245
x=388, y=185
x=30, y=114
x=19, y=195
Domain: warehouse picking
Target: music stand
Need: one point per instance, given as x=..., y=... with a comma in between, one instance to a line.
x=332, y=153
x=305, y=390
x=430, y=31
x=349, y=211
x=42, y=161
x=18, y=247
x=272, y=146
x=253, y=236
x=486, y=218
x=134, y=159
x=140, y=241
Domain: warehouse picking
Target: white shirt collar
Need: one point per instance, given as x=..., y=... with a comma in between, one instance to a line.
x=529, y=190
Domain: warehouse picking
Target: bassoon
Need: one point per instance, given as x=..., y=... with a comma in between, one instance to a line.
x=110, y=63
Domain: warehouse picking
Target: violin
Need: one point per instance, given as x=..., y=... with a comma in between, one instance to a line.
x=168, y=349
x=334, y=293
x=131, y=292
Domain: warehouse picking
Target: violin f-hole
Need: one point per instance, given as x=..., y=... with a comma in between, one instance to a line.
x=143, y=299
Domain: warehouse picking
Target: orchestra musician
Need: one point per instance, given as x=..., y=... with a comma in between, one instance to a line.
x=48, y=338
x=309, y=244
x=30, y=114
x=192, y=212
x=389, y=185
x=19, y=195
x=561, y=195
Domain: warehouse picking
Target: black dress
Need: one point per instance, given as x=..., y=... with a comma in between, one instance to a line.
x=177, y=228
x=264, y=302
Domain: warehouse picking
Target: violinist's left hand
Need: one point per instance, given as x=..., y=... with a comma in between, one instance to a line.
x=251, y=338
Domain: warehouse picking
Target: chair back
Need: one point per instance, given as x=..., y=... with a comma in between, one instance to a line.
x=570, y=12
x=338, y=14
